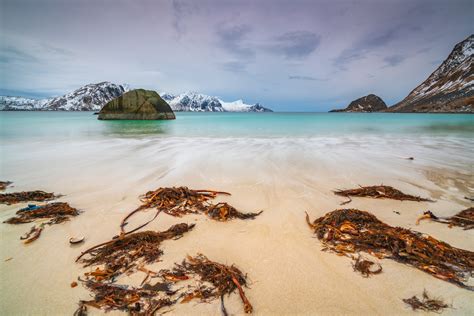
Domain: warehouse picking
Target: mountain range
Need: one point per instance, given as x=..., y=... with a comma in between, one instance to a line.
x=196, y=102
x=90, y=97
x=93, y=97
x=449, y=89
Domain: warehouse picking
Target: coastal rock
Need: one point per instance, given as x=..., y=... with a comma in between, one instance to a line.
x=137, y=104
x=450, y=88
x=369, y=103
x=91, y=97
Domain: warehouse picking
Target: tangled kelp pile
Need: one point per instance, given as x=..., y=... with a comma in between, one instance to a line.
x=126, y=252
x=379, y=192
x=207, y=280
x=130, y=251
x=57, y=213
x=223, y=280
x=464, y=219
x=180, y=201
x=348, y=231
x=224, y=212
x=426, y=303
x=17, y=197
x=135, y=301
x=4, y=185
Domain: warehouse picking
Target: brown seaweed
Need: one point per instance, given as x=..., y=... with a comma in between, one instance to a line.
x=224, y=212
x=426, y=303
x=180, y=201
x=33, y=234
x=379, y=192
x=175, y=201
x=124, y=253
x=349, y=231
x=57, y=212
x=120, y=297
x=464, y=219
x=366, y=267
x=211, y=280
x=17, y=197
x=224, y=280
x=4, y=185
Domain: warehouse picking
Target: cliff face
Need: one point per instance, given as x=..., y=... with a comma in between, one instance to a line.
x=450, y=88
x=369, y=103
x=137, y=104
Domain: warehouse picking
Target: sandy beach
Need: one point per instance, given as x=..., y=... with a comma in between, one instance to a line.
x=284, y=177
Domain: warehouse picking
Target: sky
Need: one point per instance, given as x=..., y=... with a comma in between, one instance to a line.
x=289, y=55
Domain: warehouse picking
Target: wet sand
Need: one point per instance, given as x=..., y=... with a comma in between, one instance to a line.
x=288, y=272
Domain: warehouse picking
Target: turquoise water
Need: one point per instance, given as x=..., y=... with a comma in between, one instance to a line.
x=53, y=125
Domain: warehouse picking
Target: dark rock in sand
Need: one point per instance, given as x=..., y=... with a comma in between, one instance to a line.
x=369, y=103
x=137, y=104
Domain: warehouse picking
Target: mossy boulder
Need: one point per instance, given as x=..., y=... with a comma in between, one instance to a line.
x=137, y=104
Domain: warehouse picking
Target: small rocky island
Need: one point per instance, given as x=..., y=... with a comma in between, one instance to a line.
x=137, y=104
x=369, y=103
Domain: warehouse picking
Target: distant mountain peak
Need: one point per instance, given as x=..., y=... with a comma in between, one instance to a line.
x=192, y=101
x=90, y=97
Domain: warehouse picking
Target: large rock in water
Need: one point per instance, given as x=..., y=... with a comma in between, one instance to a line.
x=369, y=103
x=137, y=104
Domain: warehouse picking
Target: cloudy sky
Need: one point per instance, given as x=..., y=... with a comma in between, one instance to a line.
x=290, y=55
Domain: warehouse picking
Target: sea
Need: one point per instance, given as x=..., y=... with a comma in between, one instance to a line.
x=46, y=147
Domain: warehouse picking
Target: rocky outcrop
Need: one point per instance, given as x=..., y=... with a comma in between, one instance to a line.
x=450, y=88
x=369, y=103
x=137, y=104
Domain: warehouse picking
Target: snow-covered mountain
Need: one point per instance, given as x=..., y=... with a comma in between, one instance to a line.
x=90, y=97
x=196, y=102
x=193, y=102
x=20, y=103
x=93, y=97
x=450, y=88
